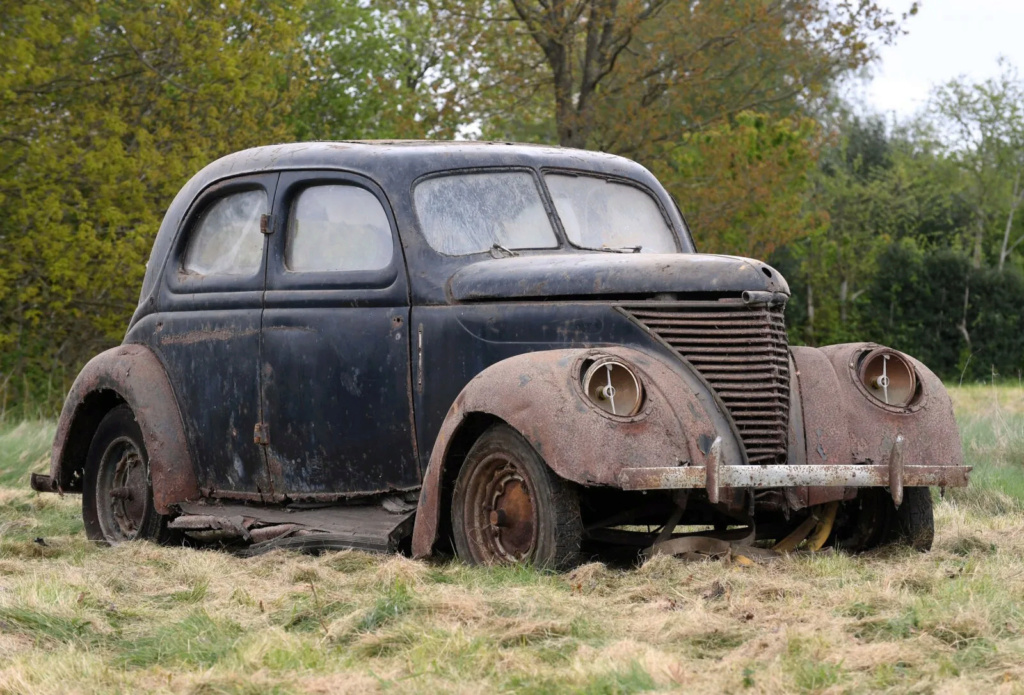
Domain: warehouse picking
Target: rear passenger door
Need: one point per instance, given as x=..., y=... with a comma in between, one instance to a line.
x=208, y=332
x=336, y=375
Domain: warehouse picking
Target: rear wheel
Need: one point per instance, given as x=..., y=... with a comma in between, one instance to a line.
x=509, y=507
x=117, y=493
x=872, y=520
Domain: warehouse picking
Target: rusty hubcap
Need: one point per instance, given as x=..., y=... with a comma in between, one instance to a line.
x=499, y=514
x=122, y=490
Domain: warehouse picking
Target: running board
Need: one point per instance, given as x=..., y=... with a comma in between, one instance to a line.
x=360, y=527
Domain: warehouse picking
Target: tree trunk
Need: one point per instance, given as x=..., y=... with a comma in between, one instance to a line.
x=810, y=314
x=963, y=320
x=1004, y=252
x=567, y=121
x=979, y=237
x=844, y=288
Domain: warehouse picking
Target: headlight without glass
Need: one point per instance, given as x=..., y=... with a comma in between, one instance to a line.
x=613, y=387
x=889, y=377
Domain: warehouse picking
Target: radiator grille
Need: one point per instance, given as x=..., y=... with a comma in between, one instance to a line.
x=742, y=351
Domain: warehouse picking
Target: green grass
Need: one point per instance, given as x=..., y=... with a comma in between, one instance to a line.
x=24, y=449
x=139, y=618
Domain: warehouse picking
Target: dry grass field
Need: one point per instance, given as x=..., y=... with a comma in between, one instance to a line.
x=75, y=617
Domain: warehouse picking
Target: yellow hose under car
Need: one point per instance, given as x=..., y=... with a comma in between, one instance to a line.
x=816, y=529
x=824, y=528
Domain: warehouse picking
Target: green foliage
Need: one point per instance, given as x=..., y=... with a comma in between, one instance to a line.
x=895, y=261
x=388, y=70
x=907, y=235
x=105, y=111
x=737, y=176
x=916, y=302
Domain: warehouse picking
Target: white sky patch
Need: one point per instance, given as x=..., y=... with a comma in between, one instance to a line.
x=946, y=39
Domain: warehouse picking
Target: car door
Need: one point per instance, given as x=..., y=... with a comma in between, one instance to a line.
x=208, y=334
x=336, y=374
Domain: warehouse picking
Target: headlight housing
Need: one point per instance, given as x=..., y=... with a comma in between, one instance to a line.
x=889, y=378
x=612, y=386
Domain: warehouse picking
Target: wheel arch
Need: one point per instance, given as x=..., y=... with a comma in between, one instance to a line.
x=131, y=375
x=535, y=394
x=462, y=439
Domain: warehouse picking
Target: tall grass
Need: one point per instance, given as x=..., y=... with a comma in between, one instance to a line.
x=24, y=449
x=991, y=421
x=76, y=617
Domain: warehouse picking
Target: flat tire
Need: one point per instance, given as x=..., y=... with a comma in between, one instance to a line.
x=509, y=507
x=117, y=491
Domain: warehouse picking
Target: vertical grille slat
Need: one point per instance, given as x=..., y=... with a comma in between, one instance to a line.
x=743, y=353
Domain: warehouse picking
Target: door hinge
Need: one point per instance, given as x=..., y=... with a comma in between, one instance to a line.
x=261, y=434
x=266, y=224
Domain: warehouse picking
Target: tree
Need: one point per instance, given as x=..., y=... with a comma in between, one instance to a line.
x=623, y=75
x=876, y=187
x=106, y=109
x=393, y=69
x=981, y=127
x=679, y=86
x=745, y=184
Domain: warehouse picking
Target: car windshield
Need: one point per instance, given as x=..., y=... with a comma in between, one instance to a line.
x=600, y=214
x=470, y=213
x=503, y=211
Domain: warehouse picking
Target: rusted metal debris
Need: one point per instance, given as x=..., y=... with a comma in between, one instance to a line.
x=737, y=545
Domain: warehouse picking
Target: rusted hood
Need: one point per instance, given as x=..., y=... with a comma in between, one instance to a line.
x=613, y=274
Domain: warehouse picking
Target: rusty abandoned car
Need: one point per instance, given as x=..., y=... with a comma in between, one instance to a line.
x=511, y=353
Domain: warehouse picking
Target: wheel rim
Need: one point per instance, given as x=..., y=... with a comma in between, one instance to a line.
x=499, y=514
x=122, y=490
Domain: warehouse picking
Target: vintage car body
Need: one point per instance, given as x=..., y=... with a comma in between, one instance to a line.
x=330, y=395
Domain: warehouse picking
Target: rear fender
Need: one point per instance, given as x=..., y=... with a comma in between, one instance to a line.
x=130, y=374
x=540, y=395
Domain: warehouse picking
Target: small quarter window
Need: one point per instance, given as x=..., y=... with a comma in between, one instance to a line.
x=338, y=228
x=227, y=239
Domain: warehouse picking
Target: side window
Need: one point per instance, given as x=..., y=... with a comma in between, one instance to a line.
x=336, y=228
x=227, y=240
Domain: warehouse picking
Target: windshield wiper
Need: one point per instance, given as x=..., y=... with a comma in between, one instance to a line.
x=509, y=253
x=614, y=249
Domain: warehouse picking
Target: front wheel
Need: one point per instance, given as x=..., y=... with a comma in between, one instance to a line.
x=509, y=507
x=872, y=520
x=117, y=494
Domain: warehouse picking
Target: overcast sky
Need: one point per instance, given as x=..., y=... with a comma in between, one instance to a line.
x=946, y=38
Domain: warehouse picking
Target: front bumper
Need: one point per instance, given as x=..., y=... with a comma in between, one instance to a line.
x=894, y=474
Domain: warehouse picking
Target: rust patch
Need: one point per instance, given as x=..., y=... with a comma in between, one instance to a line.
x=579, y=441
x=134, y=375
x=193, y=337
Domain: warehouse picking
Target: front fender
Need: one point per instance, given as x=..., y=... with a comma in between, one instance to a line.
x=129, y=374
x=928, y=426
x=539, y=394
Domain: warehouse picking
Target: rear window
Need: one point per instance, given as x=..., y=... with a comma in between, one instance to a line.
x=227, y=238
x=470, y=213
